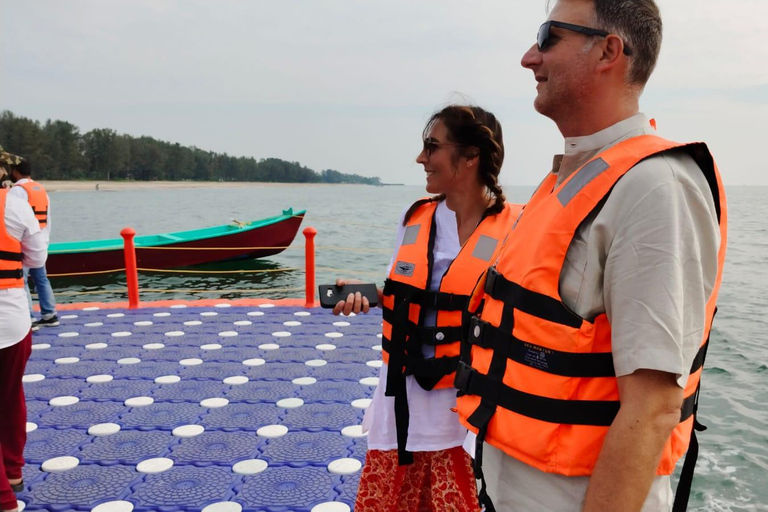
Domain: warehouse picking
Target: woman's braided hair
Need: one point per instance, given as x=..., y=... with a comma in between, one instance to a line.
x=472, y=127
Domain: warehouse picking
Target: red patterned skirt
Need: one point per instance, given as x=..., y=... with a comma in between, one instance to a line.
x=441, y=481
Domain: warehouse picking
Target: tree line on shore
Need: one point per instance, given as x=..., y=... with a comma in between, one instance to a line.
x=58, y=151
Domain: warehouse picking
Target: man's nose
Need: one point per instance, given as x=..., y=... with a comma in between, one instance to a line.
x=532, y=57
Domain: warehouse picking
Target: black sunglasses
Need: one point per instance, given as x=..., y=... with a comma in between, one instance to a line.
x=542, y=39
x=431, y=145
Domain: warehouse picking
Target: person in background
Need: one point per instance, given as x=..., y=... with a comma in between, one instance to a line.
x=34, y=193
x=583, y=365
x=21, y=244
x=5, y=180
x=6, y=159
x=415, y=460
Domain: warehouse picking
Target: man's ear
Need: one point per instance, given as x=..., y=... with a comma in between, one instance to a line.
x=612, y=52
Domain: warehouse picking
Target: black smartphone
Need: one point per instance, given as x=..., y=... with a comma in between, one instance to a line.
x=330, y=294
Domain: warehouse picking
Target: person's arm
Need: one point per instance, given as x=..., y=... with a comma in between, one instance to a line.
x=355, y=303
x=661, y=240
x=48, y=223
x=650, y=410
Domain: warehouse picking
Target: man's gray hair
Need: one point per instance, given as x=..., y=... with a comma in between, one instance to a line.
x=638, y=23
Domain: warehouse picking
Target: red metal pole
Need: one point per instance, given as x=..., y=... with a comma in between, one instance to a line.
x=131, y=274
x=309, y=255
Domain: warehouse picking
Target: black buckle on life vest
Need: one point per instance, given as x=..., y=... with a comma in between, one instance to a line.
x=434, y=336
x=429, y=371
x=490, y=281
x=463, y=375
x=467, y=383
x=11, y=274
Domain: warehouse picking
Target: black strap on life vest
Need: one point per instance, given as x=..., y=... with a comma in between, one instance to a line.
x=568, y=412
x=405, y=349
x=428, y=371
x=569, y=364
x=396, y=385
x=490, y=393
x=44, y=220
x=533, y=303
x=440, y=301
x=11, y=274
x=494, y=392
x=683, y=492
x=10, y=256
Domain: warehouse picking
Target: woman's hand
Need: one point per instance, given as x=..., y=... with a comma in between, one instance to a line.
x=355, y=302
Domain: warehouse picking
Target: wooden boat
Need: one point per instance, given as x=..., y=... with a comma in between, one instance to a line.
x=254, y=239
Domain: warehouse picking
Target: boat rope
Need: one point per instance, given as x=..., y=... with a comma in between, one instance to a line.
x=353, y=249
x=242, y=271
x=337, y=221
x=251, y=290
x=174, y=271
x=90, y=292
x=88, y=273
x=161, y=290
x=347, y=271
x=318, y=247
x=166, y=248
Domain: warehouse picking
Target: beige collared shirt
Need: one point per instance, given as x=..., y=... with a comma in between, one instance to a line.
x=647, y=257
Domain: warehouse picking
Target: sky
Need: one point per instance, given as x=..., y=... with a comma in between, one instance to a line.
x=348, y=85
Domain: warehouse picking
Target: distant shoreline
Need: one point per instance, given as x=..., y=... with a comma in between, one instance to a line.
x=106, y=186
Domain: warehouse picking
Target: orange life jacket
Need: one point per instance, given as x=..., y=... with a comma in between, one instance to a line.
x=537, y=381
x=407, y=300
x=38, y=200
x=11, y=275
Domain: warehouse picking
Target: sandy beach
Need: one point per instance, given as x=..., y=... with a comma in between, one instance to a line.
x=77, y=186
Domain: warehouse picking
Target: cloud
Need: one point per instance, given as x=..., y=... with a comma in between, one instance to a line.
x=348, y=85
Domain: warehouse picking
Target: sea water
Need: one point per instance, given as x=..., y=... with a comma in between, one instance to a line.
x=356, y=228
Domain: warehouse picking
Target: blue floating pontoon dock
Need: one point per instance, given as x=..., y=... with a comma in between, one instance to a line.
x=189, y=408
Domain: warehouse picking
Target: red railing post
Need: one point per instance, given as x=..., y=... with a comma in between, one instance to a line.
x=131, y=274
x=309, y=256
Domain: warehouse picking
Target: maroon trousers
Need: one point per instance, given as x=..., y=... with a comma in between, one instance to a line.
x=13, y=417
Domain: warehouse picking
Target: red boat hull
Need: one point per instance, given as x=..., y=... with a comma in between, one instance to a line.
x=273, y=238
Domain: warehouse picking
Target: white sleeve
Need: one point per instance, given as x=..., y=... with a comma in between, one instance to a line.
x=19, y=191
x=21, y=224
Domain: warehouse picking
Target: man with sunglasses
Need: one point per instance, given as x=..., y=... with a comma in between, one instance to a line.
x=580, y=375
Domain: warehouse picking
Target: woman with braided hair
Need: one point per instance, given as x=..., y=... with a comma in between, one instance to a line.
x=415, y=460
